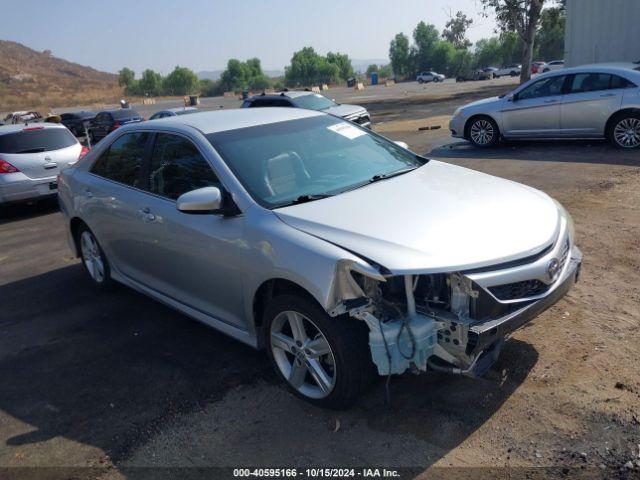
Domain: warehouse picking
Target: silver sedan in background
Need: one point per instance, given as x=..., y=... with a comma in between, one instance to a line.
x=592, y=101
x=340, y=252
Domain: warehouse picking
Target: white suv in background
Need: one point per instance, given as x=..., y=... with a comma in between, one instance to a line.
x=555, y=65
x=512, y=70
x=430, y=76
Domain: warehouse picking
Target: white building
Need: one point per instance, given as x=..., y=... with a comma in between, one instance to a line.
x=602, y=31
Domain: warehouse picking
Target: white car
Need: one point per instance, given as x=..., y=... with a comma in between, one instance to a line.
x=555, y=65
x=31, y=157
x=426, y=77
x=512, y=70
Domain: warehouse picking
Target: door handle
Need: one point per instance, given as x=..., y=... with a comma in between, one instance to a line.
x=550, y=101
x=145, y=213
x=87, y=193
x=608, y=95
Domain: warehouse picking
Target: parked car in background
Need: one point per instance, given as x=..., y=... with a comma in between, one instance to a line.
x=252, y=222
x=311, y=101
x=490, y=71
x=555, y=65
x=107, y=121
x=31, y=156
x=591, y=101
x=75, y=121
x=538, y=66
x=172, y=112
x=430, y=76
x=513, y=70
x=473, y=75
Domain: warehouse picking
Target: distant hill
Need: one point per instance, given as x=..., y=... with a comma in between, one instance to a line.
x=215, y=74
x=39, y=80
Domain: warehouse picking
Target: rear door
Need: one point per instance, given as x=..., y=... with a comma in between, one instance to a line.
x=40, y=152
x=535, y=110
x=113, y=191
x=590, y=100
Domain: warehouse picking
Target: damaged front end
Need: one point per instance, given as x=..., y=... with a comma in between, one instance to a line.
x=454, y=322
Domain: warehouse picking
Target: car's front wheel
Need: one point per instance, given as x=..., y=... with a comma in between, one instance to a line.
x=483, y=132
x=94, y=261
x=624, y=130
x=324, y=360
x=420, y=80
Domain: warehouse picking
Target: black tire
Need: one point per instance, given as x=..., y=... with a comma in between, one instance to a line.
x=513, y=74
x=102, y=281
x=488, y=134
x=420, y=80
x=545, y=70
x=351, y=366
x=625, y=123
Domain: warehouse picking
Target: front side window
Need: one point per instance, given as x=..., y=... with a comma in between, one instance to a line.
x=543, y=88
x=123, y=160
x=314, y=101
x=285, y=162
x=177, y=167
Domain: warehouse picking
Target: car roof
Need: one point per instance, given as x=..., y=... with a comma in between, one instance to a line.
x=289, y=94
x=178, y=109
x=621, y=68
x=18, y=127
x=232, y=119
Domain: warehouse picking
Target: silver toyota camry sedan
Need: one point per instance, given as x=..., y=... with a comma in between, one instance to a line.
x=341, y=253
x=592, y=101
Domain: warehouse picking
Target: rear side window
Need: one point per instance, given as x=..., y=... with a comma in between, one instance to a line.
x=177, y=167
x=123, y=160
x=589, y=82
x=37, y=140
x=270, y=102
x=619, y=82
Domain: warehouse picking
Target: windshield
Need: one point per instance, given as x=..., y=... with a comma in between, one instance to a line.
x=313, y=157
x=125, y=113
x=314, y=101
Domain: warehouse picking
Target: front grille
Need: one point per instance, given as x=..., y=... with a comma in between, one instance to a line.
x=513, y=291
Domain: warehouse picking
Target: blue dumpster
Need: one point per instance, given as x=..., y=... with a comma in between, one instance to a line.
x=374, y=78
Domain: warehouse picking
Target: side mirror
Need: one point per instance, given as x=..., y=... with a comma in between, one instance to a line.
x=202, y=200
x=402, y=145
x=512, y=97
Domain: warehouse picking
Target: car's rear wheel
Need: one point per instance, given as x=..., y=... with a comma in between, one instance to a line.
x=513, y=74
x=94, y=261
x=420, y=80
x=624, y=130
x=483, y=132
x=323, y=360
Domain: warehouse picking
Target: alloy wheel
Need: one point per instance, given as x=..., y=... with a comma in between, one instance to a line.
x=482, y=132
x=92, y=257
x=627, y=132
x=303, y=354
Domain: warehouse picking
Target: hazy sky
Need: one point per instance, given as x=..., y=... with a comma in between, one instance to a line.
x=204, y=34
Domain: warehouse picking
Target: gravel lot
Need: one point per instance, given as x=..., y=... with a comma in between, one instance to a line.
x=123, y=384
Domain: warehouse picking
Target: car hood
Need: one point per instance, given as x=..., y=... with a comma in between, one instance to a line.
x=344, y=110
x=437, y=218
x=483, y=103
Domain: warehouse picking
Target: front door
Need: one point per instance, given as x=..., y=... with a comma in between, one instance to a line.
x=535, y=110
x=191, y=258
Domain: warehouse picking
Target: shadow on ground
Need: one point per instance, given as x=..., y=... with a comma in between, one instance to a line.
x=110, y=369
x=573, y=151
x=24, y=211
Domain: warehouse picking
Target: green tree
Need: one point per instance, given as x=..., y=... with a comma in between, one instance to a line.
x=181, y=81
x=126, y=77
x=241, y=75
x=308, y=68
x=550, y=36
x=373, y=68
x=456, y=30
x=150, y=83
x=442, y=56
x=522, y=17
x=209, y=88
x=343, y=62
x=399, y=55
x=511, y=46
x=461, y=63
x=425, y=37
x=488, y=52
x=385, y=71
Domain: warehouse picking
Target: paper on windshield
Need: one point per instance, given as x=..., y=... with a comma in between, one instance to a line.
x=346, y=130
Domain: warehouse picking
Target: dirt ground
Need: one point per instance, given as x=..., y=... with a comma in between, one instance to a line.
x=125, y=385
